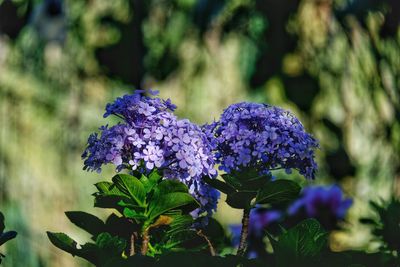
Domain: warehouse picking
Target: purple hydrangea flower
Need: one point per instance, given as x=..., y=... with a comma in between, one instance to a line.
x=262, y=137
x=150, y=136
x=325, y=203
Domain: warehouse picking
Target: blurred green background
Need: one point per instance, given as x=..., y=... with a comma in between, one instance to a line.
x=334, y=63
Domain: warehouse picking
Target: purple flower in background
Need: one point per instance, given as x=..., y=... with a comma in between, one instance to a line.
x=325, y=203
x=261, y=218
x=151, y=136
x=262, y=137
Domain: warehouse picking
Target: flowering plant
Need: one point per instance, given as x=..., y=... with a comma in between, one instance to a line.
x=150, y=137
x=251, y=141
x=166, y=189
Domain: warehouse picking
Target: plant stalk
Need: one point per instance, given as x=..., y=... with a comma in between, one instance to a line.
x=145, y=242
x=210, y=246
x=244, y=233
x=132, y=245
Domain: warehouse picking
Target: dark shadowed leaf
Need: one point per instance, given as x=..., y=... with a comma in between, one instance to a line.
x=111, y=202
x=241, y=199
x=279, y=191
x=180, y=222
x=221, y=186
x=232, y=181
x=301, y=244
x=112, y=244
x=63, y=242
x=5, y=236
x=2, y=226
x=86, y=221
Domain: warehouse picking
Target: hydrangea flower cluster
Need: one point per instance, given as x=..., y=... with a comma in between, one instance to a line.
x=326, y=204
x=252, y=135
x=150, y=136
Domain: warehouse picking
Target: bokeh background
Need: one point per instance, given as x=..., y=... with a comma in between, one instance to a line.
x=334, y=63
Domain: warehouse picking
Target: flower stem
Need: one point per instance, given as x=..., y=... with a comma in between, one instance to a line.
x=243, y=235
x=210, y=246
x=145, y=241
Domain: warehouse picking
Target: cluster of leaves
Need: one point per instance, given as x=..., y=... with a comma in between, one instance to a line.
x=152, y=226
x=5, y=236
x=385, y=226
x=152, y=219
x=249, y=189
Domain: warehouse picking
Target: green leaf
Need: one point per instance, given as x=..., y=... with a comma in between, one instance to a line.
x=86, y=221
x=2, y=226
x=241, y=199
x=231, y=180
x=151, y=181
x=129, y=213
x=154, y=177
x=279, y=191
x=63, y=242
x=6, y=236
x=104, y=187
x=178, y=238
x=120, y=226
x=109, y=189
x=255, y=183
x=170, y=186
x=167, y=202
x=109, y=196
x=131, y=186
x=221, y=186
x=215, y=232
x=148, y=186
x=301, y=244
x=180, y=222
x=111, y=201
x=110, y=243
x=67, y=244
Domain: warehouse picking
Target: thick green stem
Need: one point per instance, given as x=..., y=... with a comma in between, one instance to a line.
x=145, y=241
x=243, y=235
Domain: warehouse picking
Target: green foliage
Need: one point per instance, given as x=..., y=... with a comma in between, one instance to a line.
x=301, y=245
x=184, y=259
x=245, y=190
x=132, y=187
x=280, y=191
x=151, y=209
x=385, y=225
x=5, y=236
x=105, y=249
x=87, y=222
